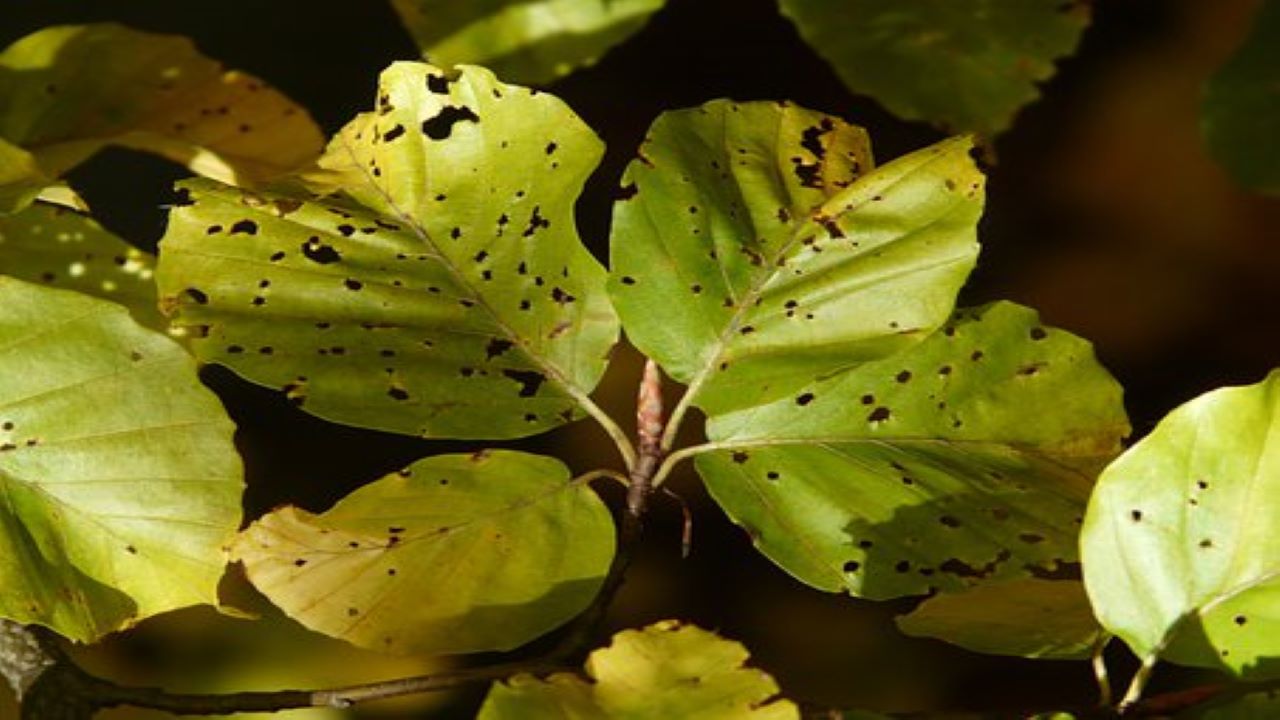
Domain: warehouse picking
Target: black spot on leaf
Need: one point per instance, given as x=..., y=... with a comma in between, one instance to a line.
x=197, y=295
x=398, y=393
x=880, y=414
x=441, y=126
x=1136, y=515
x=352, y=284
x=438, y=84
x=852, y=566
x=392, y=134
x=248, y=227
x=530, y=381
x=347, y=230
x=318, y=252
x=536, y=222
x=804, y=399
x=1038, y=333
x=740, y=457
x=496, y=347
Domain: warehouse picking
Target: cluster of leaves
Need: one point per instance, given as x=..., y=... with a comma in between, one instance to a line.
x=422, y=275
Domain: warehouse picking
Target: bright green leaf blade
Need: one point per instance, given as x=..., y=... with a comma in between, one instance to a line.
x=1029, y=618
x=967, y=66
x=967, y=458
x=786, y=261
x=528, y=41
x=1181, y=557
x=61, y=248
x=118, y=479
x=666, y=670
x=457, y=553
x=67, y=91
x=447, y=294
x=1241, y=111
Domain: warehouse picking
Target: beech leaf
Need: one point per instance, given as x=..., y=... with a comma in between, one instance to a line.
x=666, y=670
x=788, y=257
x=1181, y=557
x=967, y=458
x=440, y=290
x=120, y=482
x=457, y=553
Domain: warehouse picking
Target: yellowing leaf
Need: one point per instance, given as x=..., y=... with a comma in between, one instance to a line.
x=441, y=291
x=530, y=41
x=67, y=91
x=119, y=483
x=666, y=670
x=457, y=553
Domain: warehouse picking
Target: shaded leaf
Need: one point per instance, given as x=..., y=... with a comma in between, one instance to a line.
x=1254, y=706
x=120, y=482
x=457, y=553
x=1181, y=557
x=528, y=41
x=666, y=670
x=1028, y=618
x=1241, y=112
x=788, y=260
x=964, y=459
x=69, y=90
x=61, y=248
x=965, y=66
x=443, y=292
x=20, y=178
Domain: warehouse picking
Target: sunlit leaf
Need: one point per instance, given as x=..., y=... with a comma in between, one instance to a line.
x=443, y=292
x=119, y=480
x=966, y=458
x=666, y=670
x=57, y=247
x=1028, y=618
x=528, y=41
x=1241, y=113
x=962, y=65
x=1181, y=556
x=457, y=553
x=69, y=90
x=786, y=259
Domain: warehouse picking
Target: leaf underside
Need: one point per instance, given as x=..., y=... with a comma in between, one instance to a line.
x=967, y=458
x=666, y=670
x=119, y=483
x=527, y=41
x=457, y=553
x=440, y=289
x=1180, y=550
x=788, y=257
x=965, y=66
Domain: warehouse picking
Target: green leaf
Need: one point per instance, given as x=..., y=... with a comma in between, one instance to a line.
x=69, y=90
x=666, y=670
x=1241, y=112
x=1029, y=618
x=966, y=458
x=965, y=66
x=443, y=292
x=787, y=259
x=457, y=553
x=1181, y=557
x=20, y=178
x=118, y=479
x=61, y=248
x=528, y=41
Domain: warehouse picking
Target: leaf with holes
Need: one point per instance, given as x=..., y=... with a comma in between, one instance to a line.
x=531, y=41
x=62, y=248
x=964, y=66
x=457, y=553
x=666, y=670
x=67, y=91
x=119, y=481
x=1181, y=557
x=1241, y=111
x=967, y=458
x=788, y=259
x=1028, y=618
x=442, y=292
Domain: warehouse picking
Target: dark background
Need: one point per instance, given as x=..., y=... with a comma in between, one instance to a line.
x=1104, y=212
